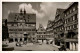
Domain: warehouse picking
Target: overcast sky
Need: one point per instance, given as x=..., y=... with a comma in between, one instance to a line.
x=44, y=10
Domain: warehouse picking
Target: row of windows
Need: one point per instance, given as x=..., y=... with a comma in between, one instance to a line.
x=29, y=30
x=43, y=36
x=57, y=17
x=67, y=28
x=72, y=18
x=41, y=29
x=21, y=29
x=50, y=25
x=71, y=27
x=40, y=36
x=71, y=10
x=59, y=29
x=22, y=24
x=41, y=33
x=24, y=20
x=59, y=22
x=21, y=16
x=15, y=33
x=50, y=28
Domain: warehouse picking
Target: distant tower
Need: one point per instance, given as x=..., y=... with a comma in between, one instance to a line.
x=24, y=11
x=21, y=12
x=41, y=26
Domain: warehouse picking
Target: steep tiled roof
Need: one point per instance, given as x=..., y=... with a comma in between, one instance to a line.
x=59, y=10
x=72, y=4
x=41, y=27
x=28, y=17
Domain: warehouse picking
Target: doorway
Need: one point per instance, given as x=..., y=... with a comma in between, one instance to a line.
x=16, y=40
x=67, y=45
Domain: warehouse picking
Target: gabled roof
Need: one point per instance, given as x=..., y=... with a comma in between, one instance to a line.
x=41, y=27
x=59, y=11
x=72, y=4
x=13, y=16
x=50, y=22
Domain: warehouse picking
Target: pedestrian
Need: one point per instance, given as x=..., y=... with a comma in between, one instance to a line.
x=62, y=48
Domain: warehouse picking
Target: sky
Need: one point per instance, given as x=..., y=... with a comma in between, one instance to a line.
x=44, y=10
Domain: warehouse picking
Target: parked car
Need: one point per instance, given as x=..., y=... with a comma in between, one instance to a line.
x=25, y=42
x=18, y=44
x=62, y=48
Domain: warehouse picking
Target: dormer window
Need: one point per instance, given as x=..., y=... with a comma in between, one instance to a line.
x=74, y=9
x=67, y=13
x=70, y=11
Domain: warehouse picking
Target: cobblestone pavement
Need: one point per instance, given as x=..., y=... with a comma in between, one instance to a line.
x=36, y=47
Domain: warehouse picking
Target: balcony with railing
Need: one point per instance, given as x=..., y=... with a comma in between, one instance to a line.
x=57, y=25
